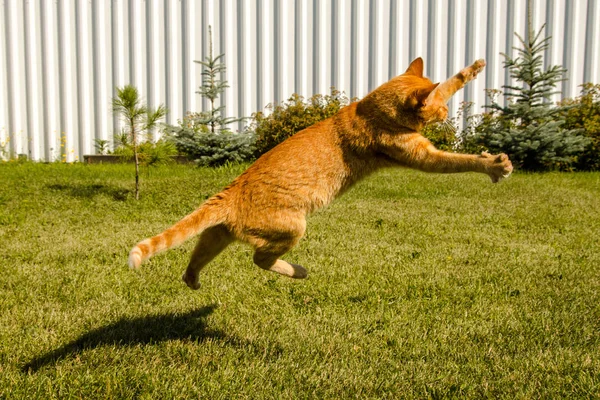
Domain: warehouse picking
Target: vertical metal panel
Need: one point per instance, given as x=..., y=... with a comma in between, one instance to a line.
x=153, y=96
x=432, y=28
x=354, y=48
x=231, y=56
x=186, y=55
x=60, y=60
x=548, y=32
x=491, y=52
x=287, y=49
x=568, y=40
x=34, y=107
x=509, y=34
x=240, y=62
x=451, y=34
x=592, y=51
x=451, y=49
x=344, y=44
x=298, y=43
x=84, y=86
x=469, y=45
x=590, y=25
x=250, y=60
x=4, y=98
x=4, y=135
x=277, y=75
x=373, y=53
x=12, y=77
x=48, y=14
x=259, y=51
x=392, y=44
x=335, y=43
x=316, y=45
x=412, y=40
x=67, y=81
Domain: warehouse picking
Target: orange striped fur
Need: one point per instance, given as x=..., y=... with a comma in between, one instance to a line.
x=266, y=206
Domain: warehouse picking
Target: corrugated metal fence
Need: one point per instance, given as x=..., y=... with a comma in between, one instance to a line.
x=60, y=60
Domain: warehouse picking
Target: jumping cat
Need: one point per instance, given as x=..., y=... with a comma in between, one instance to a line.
x=266, y=206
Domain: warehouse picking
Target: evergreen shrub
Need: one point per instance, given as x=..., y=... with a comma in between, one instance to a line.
x=529, y=128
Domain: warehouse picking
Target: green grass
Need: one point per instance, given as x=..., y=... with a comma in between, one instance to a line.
x=419, y=286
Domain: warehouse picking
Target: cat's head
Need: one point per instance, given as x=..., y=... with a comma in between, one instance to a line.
x=425, y=101
x=409, y=99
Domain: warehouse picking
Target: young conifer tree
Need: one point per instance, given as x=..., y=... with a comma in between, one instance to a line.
x=213, y=87
x=138, y=120
x=529, y=128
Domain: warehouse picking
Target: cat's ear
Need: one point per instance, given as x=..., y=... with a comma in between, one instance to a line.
x=416, y=67
x=422, y=94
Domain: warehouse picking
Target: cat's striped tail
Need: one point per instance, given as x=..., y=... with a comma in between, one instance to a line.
x=203, y=218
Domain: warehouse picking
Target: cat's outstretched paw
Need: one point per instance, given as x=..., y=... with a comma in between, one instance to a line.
x=499, y=166
x=469, y=73
x=192, y=283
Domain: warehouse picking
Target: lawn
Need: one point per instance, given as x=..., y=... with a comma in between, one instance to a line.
x=419, y=286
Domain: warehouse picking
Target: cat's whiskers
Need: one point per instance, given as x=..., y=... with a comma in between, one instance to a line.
x=448, y=127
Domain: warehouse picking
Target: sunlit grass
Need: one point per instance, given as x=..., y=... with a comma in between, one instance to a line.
x=419, y=286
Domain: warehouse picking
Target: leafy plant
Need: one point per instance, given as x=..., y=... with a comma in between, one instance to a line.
x=101, y=146
x=293, y=115
x=138, y=119
x=4, y=151
x=583, y=112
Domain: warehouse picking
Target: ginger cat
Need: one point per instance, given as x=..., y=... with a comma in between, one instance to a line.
x=266, y=206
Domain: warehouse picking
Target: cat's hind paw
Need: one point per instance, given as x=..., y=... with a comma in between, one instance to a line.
x=299, y=271
x=288, y=269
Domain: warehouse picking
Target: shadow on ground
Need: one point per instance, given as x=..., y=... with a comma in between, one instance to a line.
x=89, y=191
x=132, y=331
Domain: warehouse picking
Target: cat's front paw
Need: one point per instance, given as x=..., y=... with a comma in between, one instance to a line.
x=192, y=283
x=498, y=166
x=469, y=73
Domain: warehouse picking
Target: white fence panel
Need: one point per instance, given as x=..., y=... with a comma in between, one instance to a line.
x=61, y=60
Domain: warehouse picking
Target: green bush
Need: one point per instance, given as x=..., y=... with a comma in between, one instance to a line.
x=583, y=113
x=292, y=116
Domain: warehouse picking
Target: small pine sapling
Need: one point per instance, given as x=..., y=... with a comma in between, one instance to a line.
x=138, y=118
x=212, y=88
x=204, y=136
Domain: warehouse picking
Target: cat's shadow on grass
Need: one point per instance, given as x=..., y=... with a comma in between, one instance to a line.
x=151, y=329
x=89, y=191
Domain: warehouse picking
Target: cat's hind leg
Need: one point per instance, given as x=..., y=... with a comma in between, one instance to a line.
x=270, y=261
x=274, y=234
x=211, y=242
x=267, y=258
